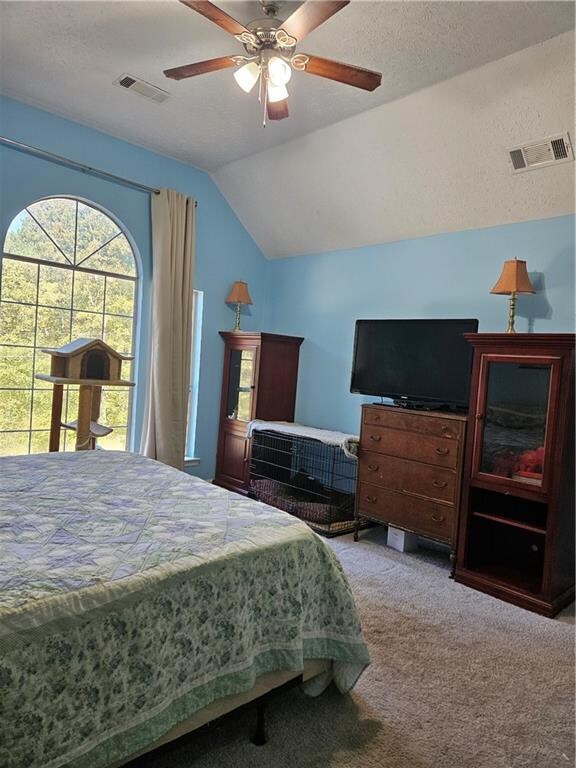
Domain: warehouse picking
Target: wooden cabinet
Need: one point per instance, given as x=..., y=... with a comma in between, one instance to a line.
x=410, y=468
x=516, y=538
x=259, y=382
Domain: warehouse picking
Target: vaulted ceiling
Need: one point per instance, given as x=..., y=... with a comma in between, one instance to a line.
x=424, y=153
x=65, y=56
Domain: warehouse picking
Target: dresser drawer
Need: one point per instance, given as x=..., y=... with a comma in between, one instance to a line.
x=410, y=445
x=410, y=476
x=427, y=518
x=423, y=423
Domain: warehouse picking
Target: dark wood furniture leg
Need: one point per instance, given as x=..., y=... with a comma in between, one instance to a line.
x=56, y=419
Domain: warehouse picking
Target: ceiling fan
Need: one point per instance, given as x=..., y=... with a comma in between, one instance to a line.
x=270, y=45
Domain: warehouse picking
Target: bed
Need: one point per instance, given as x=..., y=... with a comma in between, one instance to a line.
x=137, y=602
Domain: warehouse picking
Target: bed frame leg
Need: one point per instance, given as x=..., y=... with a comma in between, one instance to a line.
x=259, y=738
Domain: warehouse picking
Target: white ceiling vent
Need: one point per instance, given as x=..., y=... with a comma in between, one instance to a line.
x=556, y=149
x=136, y=85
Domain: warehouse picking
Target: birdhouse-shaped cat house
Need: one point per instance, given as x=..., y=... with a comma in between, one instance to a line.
x=87, y=359
x=91, y=364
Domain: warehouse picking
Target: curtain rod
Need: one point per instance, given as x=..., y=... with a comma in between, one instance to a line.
x=42, y=153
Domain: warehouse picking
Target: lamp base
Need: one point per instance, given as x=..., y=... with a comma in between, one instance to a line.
x=237, y=323
x=511, y=313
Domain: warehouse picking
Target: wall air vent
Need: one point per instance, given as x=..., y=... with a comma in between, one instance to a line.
x=136, y=85
x=556, y=149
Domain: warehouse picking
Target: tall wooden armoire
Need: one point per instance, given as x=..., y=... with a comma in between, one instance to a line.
x=259, y=382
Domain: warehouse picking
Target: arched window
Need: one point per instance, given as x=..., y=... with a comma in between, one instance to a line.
x=67, y=271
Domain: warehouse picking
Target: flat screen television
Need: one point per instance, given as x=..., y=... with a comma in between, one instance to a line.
x=417, y=363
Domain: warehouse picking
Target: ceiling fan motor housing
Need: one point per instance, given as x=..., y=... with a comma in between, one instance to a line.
x=266, y=34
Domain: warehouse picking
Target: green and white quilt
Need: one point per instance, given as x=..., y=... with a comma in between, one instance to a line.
x=132, y=595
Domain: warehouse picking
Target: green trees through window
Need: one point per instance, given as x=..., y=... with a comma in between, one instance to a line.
x=67, y=271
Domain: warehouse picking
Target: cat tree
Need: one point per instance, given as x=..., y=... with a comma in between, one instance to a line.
x=89, y=363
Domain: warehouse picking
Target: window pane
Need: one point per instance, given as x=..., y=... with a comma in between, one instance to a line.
x=15, y=367
x=41, y=409
x=114, y=408
x=40, y=442
x=41, y=365
x=89, y=292
x=53, y=327
x=115, y=441
x=94, y=229
x=71, y=409
x=120, y=296
x=55, y=288
x=13, y=443
x=68, y=440
x=115, y=257
x=15, y=409
x=118, y=333
x=85, y=324
x=58, y=217
x=19, y=281
x=17, y=324
x=25, y=238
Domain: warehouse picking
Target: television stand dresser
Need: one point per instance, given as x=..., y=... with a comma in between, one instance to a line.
x=410, y=470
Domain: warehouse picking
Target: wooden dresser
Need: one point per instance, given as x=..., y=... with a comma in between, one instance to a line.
x=410, y=470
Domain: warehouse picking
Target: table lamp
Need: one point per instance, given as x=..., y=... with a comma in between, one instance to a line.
x=238, y=295
x=513, y=279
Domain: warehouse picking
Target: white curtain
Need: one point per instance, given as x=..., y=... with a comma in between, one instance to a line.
x=165, y=419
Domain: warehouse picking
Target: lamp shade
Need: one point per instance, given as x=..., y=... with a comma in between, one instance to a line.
x=276, y=92
x=247, y=76
x=514, y=278
x=239, y=294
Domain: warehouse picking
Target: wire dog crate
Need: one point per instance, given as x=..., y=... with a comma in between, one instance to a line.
x=305, y=477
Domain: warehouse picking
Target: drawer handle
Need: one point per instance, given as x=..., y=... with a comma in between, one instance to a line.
x=442, y=451
x=377, y=417
x=446, y=431
x=439, y=483
x=437, y=517
x=376, y=438
x=371, y=499
x=373, y=467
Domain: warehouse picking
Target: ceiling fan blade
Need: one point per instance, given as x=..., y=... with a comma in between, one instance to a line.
x=217, y=15
x=277, y=110
x=310, y=15
x=200, y=67
x=343, y=73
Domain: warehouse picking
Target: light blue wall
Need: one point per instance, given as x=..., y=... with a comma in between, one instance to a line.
x=225, y=252
x=319, y=296
x=444, y=276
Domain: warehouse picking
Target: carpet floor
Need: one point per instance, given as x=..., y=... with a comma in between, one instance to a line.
x=458, y=680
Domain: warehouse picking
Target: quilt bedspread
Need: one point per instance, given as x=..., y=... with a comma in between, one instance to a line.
x=133, y=595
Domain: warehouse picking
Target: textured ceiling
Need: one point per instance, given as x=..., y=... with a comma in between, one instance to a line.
x=432, y=162
x=64, y=56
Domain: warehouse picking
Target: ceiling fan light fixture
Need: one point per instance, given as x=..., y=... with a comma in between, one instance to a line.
x=279, y=71
x=276, y=92
x=247, y=76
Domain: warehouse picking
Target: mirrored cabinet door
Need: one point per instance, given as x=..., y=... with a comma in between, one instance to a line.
x=512, y=442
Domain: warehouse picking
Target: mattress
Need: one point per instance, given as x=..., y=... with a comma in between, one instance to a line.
x=133, y=595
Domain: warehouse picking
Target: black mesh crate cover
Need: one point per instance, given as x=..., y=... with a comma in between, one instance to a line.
x=314, y=481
